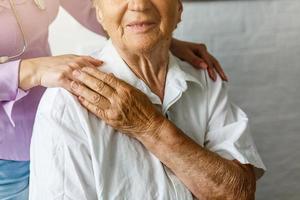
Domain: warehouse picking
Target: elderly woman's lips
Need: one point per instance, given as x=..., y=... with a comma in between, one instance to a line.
x=140, y=27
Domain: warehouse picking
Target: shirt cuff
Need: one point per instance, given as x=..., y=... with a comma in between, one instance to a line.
x=234, y=142
x=243, y=155
x=9, y=80
x=9, y=87
x=8, y=106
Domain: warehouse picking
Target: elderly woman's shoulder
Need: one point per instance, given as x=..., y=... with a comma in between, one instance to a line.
x=55, y=102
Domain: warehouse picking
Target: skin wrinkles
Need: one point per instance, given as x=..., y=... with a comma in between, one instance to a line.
x=142, y=51
x=219, y=178
x=206, y=174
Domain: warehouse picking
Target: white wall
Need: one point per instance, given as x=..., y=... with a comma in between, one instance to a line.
x=68, y=36
x=258, y=44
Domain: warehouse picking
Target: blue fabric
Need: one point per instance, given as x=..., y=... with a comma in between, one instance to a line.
x=14, y=180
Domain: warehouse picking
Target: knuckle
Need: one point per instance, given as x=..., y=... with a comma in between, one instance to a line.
x=88, y=69
x=73, y=64
x=96, y=98
x=108, y=78
x=68, y=69
x=74, y=86
x=60, y=76
x=113, y=115
x=105, y=78
x=98, y=111
x=99, y=85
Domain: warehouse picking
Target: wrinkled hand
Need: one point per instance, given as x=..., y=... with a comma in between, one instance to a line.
x=119, y=104
x=198, y=56
x=55, y=71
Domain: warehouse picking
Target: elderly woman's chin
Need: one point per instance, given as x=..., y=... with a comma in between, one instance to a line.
x=144, y=45
x=144, y=42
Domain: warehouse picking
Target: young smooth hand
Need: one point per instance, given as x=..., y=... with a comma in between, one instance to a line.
x=198, y=56
x=54, y=71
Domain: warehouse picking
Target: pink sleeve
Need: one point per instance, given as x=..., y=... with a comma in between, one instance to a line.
x=9, y=80
x=9, y=86
x=84, y=12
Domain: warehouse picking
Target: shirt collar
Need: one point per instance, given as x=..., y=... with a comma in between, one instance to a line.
x=176, y=77
x=181, y=74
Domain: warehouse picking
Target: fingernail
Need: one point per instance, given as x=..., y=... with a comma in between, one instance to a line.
x=100, y=62
x=226, y=78
x=76, y=73
x=74, y=85
x=214, y=77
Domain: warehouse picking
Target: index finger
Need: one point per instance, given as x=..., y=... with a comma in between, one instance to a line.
x=219, y=69
x=92, y=60
x=94, y=83
x=108, y=79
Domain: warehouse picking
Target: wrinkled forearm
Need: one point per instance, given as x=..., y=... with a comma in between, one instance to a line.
x=206, y=174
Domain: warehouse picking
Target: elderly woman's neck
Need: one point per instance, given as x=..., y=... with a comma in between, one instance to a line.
x=151, y=67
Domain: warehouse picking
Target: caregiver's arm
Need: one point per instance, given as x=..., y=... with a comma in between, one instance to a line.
x=198, y=56
x=206, y=174
x=10, y=92
x=18, y=77
x=54, y=71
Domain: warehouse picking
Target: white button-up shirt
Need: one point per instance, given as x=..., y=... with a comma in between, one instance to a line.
x=74, y=155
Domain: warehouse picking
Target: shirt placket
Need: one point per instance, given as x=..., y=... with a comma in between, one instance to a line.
x=173, y=95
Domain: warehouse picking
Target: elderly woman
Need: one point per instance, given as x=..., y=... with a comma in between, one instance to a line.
x=166, y=130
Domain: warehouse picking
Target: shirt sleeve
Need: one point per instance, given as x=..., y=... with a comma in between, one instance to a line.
x=84, y=12
x=9, y=78
x=9, y=87
x=228, y=129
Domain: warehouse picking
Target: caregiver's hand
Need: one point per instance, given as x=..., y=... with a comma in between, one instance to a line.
x=119, y=104
x=55, y=71
x=198, y=56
